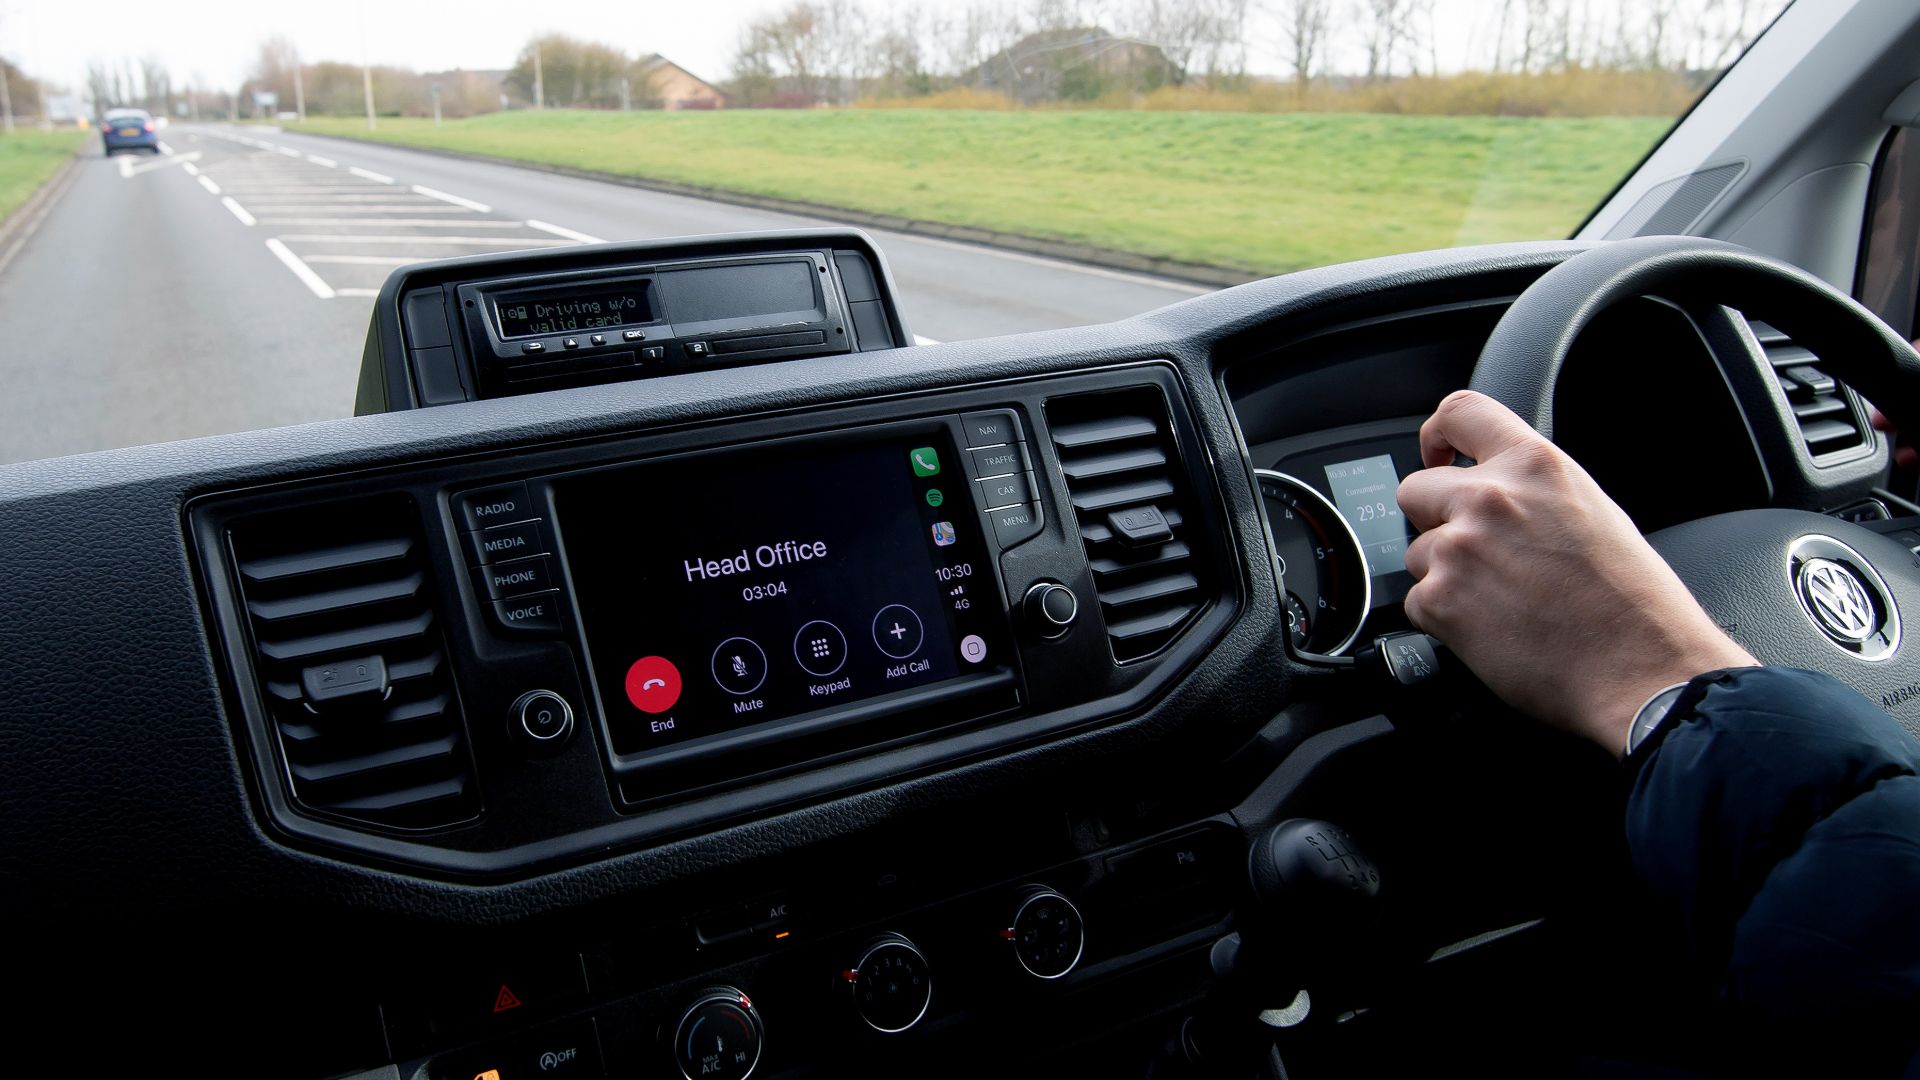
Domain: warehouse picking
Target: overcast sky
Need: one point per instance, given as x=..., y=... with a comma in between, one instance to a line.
x=213, y=42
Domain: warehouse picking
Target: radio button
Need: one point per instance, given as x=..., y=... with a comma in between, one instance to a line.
x=654, y=352
x=518, y=577
x=1015, y=524
x=997, y=461
x=991, y=428
x=491, y=506
x=536, y=614
x=498, y=544
x=1006, y=490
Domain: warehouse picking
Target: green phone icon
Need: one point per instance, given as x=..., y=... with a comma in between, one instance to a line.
x=926, y=461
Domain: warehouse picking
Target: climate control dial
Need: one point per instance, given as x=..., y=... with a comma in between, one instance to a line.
x=890, y=985
x=719, y=1037
x=1046, y=933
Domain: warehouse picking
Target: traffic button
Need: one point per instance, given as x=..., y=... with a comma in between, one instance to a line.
x=653, y=684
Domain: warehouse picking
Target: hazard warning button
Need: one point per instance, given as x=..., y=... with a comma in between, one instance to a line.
x=484, y=998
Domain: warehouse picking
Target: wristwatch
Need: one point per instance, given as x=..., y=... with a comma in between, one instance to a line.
x=1650, y=716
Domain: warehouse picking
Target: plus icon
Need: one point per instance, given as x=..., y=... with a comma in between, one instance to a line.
x=898, y=631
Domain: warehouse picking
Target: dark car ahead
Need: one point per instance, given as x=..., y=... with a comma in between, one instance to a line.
x=129, y=129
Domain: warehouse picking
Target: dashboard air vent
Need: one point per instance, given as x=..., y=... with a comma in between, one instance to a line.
x=1830, y=420
x=352, y=666
x=1124, y=478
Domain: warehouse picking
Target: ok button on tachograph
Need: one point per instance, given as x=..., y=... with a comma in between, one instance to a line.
x=898, y=631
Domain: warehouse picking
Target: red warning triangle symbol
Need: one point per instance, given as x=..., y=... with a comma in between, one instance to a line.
x=505, y=1000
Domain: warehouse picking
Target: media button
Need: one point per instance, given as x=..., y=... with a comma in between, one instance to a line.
x=820, y=648
x=739, y=666
x=897, y=631
x=503, y=542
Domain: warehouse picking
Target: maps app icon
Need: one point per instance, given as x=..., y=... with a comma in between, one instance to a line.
x=943, y=533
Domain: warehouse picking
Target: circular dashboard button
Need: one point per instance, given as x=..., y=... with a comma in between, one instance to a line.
x=974, y=648
x=542, y=719
x=653, y=684
x=897, y=631
x=820, y=648
x=739, y=666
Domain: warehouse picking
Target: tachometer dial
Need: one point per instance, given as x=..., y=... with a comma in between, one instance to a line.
x=1323, y=570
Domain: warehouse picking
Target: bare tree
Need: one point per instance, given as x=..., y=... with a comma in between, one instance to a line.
x=1386, y=28
x=1303, y=36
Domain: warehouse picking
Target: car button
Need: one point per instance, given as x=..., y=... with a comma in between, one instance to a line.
x=503, y=542
x=536, y=614
x=1176, y=861
x=517, y=577
x=654, y=352
x=491, y=506
x=484, y=999
x=1006, y=490
x=997, y=461
x=991, y=428
x=1015, y=524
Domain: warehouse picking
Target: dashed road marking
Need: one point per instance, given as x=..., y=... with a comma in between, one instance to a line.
x=369, y=174
x=207, y=182
x=323, y=162
x=435, y=193
x=238, y=210
x=557, y=230
x=300, y=269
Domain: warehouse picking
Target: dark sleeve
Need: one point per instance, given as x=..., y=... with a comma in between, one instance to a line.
x=1778, y=824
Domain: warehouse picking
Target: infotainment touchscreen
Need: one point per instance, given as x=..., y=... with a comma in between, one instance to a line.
x=743, y=589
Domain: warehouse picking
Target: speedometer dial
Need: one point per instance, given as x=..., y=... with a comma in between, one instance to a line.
x=1325, y=586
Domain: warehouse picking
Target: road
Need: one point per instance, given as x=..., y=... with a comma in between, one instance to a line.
x=226, y=284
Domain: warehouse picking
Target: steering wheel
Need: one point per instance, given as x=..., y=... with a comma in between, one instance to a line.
x=1795, y=588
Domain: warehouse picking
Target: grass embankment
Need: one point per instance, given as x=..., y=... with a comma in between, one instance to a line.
x=28, y=158
x=1261, y=192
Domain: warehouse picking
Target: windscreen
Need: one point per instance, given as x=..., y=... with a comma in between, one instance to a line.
x=1023, y=167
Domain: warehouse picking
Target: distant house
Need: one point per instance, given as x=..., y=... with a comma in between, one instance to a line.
x=674, y=87
x=1080, y=63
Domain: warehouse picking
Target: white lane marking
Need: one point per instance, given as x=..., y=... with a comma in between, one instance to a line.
x=165, y=149
x=504, y=242
x=190, y=169
x=922, y=339
x=238, y=210
x=323, y=162
x=363, y=260
x=339, y=211
x=356, y=292
x=126, y=167
x=207, y=182
x=353, y=202
x=434, y=193
x=1059, y=264
x=130, y=170
x=290, y=151
x=300, y=269
x=577, y=237
x=369, y=174
x=252, y=187
x=409, y=223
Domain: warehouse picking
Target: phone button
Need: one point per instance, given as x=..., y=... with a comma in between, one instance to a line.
x=653, y=684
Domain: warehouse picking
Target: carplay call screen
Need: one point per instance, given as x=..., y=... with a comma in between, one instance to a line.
x=733, y=590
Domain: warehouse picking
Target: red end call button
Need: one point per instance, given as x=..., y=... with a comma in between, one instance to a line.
x=653, y=684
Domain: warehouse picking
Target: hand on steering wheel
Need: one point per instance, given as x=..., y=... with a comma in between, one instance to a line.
x=1540, y=582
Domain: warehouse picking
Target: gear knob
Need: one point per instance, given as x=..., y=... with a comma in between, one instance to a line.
x=1313, y=868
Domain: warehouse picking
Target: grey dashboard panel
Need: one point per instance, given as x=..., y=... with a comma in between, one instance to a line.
x=121, y=784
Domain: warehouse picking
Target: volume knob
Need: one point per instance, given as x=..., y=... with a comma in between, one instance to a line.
x=1051, y=608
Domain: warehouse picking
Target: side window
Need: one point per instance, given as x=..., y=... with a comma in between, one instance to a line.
x=1889, y=277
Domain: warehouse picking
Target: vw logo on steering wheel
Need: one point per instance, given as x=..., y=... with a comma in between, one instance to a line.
x=1838, y=601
